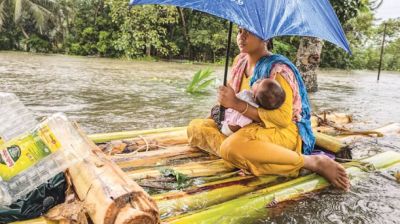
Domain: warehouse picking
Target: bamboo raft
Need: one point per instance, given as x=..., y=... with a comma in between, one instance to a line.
x=190, y=186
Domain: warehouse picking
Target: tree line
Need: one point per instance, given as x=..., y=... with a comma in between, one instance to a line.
x=110, y=28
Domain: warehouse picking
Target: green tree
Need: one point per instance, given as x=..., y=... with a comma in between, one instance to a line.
x=208, y=35
x=144, y=30
x=92, y=31
x=311, y=50
x=109, y=28
x=41, y=11
x=391, y=59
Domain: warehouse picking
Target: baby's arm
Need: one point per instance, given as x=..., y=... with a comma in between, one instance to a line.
x=235, y=118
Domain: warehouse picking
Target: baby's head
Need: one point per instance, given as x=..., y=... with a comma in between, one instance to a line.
x=268, y=94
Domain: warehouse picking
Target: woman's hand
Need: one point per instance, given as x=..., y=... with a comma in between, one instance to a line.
x=227, y=96
x=228, y=99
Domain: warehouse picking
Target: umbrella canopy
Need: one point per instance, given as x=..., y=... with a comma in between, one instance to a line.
x=272, y=18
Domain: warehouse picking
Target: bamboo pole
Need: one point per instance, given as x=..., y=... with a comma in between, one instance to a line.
x=246, y=208
x=106, y=137
x=147, y=142
x=162, y=133
x=157, y=157
x=192, y=169
x=202, y=187
x=329, y=143
x=139, y=164
x=172, y=204
x=392, y=129
x=164, y=155
x=169, y=138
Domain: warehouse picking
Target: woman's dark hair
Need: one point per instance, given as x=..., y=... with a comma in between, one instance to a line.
x=270, y=44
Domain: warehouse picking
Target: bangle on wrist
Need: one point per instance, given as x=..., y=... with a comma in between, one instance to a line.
x=247, y=108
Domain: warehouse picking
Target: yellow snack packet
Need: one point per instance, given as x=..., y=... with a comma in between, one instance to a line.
x=19, y=154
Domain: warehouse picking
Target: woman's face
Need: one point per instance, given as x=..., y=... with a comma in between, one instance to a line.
x=248, y=42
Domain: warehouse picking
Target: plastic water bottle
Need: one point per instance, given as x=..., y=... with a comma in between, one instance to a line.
x=38, y=154
x=15, y=118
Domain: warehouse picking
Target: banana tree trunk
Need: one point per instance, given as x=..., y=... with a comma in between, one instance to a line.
x=308, y=60
x=248, y=208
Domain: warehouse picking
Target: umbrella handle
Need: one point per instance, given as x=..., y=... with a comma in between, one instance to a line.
x=221, y=108
x=227, y=53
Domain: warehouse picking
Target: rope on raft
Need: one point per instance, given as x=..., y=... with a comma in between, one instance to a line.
x=137, y=150
x=140, y=149
x=145, y=141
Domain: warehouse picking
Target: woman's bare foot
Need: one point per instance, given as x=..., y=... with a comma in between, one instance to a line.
x=328, y=168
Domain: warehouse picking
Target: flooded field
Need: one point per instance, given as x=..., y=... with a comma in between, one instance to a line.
x=106, y=95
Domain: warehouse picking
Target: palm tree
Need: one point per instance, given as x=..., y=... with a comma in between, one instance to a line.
x=40, y=10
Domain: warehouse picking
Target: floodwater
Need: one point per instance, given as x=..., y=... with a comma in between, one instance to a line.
x=106, y=95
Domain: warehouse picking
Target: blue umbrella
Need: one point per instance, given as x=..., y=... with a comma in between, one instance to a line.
x=270, y=18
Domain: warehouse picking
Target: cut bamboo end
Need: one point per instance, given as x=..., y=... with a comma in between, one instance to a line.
x=105, y=189
x=329, y=143
x=129, y=215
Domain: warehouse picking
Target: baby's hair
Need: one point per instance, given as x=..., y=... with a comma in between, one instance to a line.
x=270, y=95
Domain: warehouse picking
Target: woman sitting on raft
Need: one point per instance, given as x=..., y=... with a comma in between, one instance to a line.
x=279, y=141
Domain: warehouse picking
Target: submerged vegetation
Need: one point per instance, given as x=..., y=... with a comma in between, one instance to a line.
x=200, y=81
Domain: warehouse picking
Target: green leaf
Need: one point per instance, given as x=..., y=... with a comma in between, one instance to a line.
x=204, y=85
x=196, y=78
x=182, y=180
x=205, y=74
x=200, y=81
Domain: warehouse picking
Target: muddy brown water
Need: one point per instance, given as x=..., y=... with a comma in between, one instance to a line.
x=106, y=95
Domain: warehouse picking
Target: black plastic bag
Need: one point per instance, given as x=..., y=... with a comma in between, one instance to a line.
x=37, y=202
